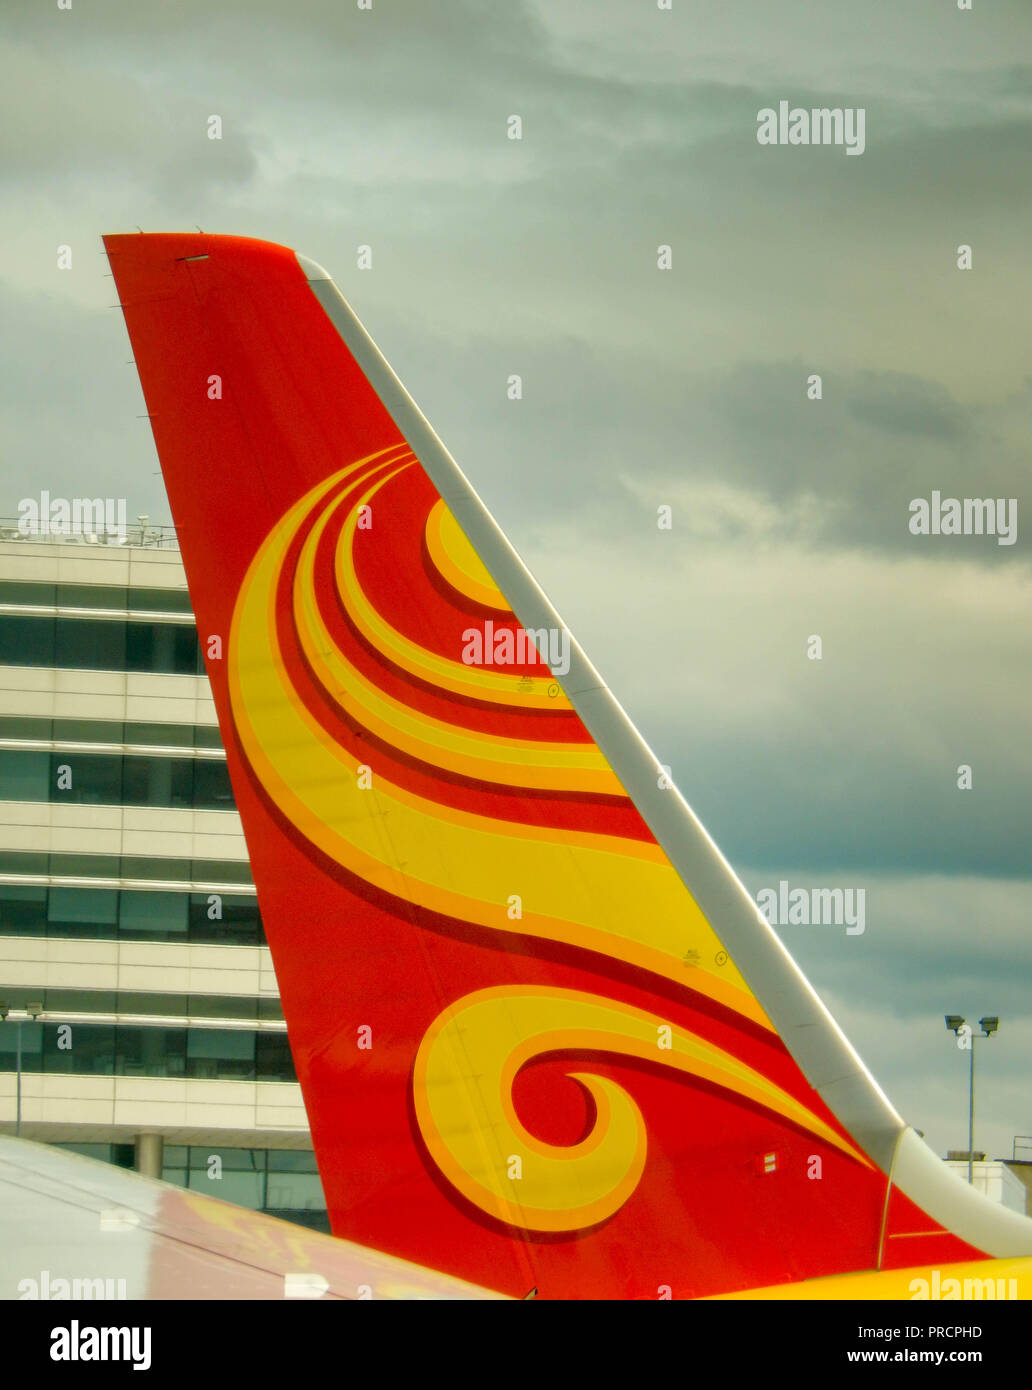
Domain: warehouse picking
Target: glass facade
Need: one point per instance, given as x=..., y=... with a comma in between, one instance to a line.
x=102, y=1049
x=281, y=1182
x=99, y=644
x=111, y=914
x=121, y=1155
x=131, y=866
x=95, y=762
x=31, y=729
x=56, y=1000
x=112, y=597
x=114, y=779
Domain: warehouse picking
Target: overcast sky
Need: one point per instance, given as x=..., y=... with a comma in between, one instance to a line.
x=642, y=387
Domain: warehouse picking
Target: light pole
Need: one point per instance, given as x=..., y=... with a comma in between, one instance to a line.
x=31, y=1012
x=956, y=1024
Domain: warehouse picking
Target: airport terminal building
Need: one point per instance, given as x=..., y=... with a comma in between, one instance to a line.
x=133, y=965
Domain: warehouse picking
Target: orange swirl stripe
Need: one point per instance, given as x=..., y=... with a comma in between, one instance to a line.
x=474, y=682
x=581, y=888
x=486, y=757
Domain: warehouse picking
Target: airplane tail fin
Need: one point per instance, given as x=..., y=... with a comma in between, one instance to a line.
x=545, y=1038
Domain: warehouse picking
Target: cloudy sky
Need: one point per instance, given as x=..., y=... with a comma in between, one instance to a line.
x=684, y=387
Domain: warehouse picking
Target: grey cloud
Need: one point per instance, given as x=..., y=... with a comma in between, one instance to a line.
x=877, y=439
x=908, y=406
x=66, y=123
x=934, y=944
x=911, y=920
x=85, y=358
x=855, y=756
x=868, y=803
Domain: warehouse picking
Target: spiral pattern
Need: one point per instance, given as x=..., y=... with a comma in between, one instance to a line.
x=474, y=792
x=504, y=1169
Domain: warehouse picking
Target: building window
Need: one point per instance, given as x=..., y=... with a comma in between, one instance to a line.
x=23, y=909
x=149, y=1051
x=221, y=1054
x=101, y=1049
x=89, y=912
x=24, y=776
x=28, y=594
x=29, y=728
x=22, y=726
x=219, y=918
x=293, y=1182
x=109, y=779
x=238, y=1176
x=272, y=1054
x=121, y=1155
x=27, y=641
x=166, y=647
x=91, y=779
x=154, y=916
x=84, y=1049
x=281, y=1182
x=88, y=644
x=102, y=914
x=31, y=1046
x=211, y=786
x=159, y=600
x=59, y=1002
x=100, y=644
x=158, y=782
x=72, y=865
x=112, y=597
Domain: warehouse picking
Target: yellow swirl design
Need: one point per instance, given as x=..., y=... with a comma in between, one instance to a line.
x=604, y=892
x=479, y=1044
x=474, y=682
x=486, y=757
x=577, y=887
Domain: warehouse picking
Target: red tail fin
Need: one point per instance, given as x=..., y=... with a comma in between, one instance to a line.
x=545, y=1038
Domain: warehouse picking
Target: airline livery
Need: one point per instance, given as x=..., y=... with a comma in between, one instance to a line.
x=545, y=1038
